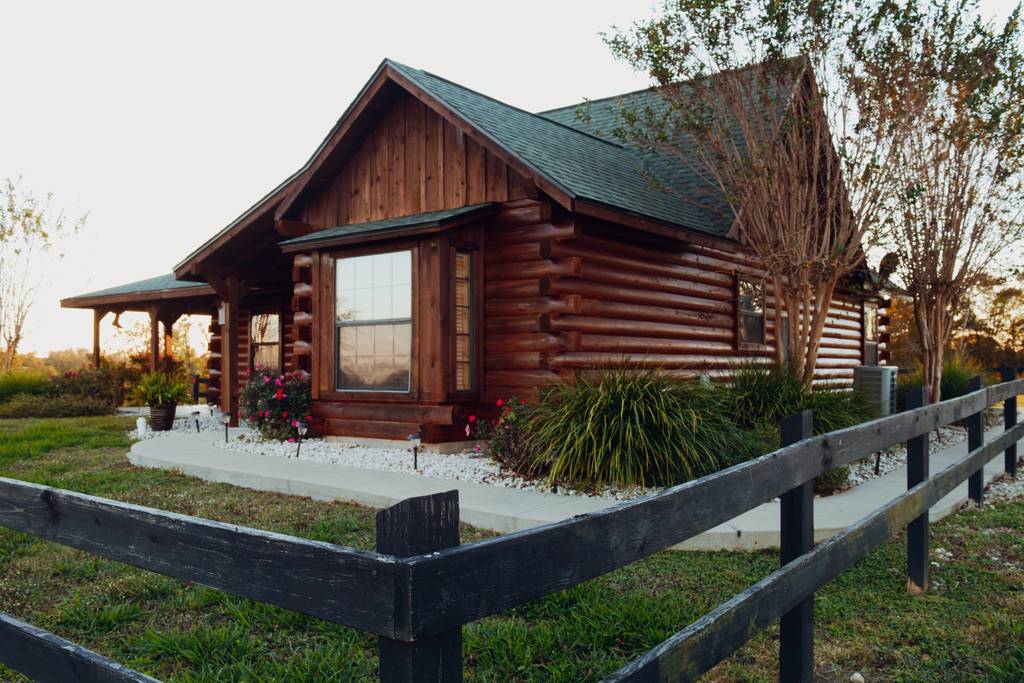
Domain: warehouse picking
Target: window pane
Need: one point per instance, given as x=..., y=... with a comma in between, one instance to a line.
x=463, y=321
x=870, y=322
x=265, y=327
x=374, y=357
x=751, y=296
x=374, y=287
x=267, y=357
x=752, y=327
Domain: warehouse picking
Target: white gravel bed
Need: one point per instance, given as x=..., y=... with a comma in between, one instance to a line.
x=468, y=466
x=895, y=457
x=1004, y=490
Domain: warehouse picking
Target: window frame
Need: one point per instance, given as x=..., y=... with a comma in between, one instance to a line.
x=475, y=318
x=867, y=342
x=279, y=312
x=331, y=355
x=741, y=343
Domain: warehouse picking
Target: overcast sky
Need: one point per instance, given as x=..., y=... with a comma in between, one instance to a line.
x=166, y=120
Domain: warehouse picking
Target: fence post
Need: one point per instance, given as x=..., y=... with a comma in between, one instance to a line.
x=975, y=439
x=917, y=530
x=412, y=527
x=1009, y=421
x=796, y=627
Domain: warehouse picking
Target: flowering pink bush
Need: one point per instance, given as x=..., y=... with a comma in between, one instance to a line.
x=275, y=404
x=507, y=436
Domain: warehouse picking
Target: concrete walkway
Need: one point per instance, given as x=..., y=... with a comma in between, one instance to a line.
x=503, y=509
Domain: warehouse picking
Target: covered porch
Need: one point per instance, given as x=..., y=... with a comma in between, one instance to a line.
x=164, y=300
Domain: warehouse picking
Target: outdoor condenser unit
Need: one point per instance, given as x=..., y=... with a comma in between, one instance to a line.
x=878, y=384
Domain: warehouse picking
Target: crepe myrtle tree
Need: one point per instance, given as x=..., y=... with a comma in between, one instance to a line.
x=788, y=110
x=959, y=219
x=29, y=228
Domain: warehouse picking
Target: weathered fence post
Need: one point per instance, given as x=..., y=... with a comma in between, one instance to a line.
x=975, y=439
x=917, y=530
x=796, y=627
x=1009, y=421
x=413, y=527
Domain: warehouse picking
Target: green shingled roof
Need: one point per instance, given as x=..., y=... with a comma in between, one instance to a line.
x=584, y=159
x=153, y=284
x=389, y=224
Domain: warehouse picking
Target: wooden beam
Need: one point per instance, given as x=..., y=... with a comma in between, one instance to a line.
x=290, y=228
x=229, y=348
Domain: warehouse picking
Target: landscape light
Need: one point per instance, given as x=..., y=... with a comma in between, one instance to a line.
x=301, y=428
x=195, y=414
x=415, y=438
x=225, y=419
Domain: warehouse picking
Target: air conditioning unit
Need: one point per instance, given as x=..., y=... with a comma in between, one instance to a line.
x=878, y=385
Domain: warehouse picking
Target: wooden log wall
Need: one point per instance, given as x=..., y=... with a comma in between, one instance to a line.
x=569, y=294
x=412, y=161
x=214, y=362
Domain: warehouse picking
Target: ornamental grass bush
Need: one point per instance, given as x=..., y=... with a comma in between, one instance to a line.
x=632, y=427
x=28, y=382
x=274, y=405
x=957, y=371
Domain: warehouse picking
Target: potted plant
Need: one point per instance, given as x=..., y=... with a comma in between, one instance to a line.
x=161, y=393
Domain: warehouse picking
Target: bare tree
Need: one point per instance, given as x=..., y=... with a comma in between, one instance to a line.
x=29, y=227
x=959, y=167
x=786, y=110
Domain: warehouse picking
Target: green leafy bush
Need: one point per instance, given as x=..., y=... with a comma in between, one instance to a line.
x=19, y=382
x=159, y=388
x=31, y=405
x=632, y=427
x=105, y=383
x=957, y=371
x=275, y=404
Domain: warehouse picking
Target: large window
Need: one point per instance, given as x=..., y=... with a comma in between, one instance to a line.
x=464, y=379
x=373, y=322
x=751, y=311
x=265, y=342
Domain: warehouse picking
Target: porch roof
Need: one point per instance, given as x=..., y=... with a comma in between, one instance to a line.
x=390, y=227
x=133, y=295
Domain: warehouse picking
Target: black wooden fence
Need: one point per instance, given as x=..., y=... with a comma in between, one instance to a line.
x=421, y=586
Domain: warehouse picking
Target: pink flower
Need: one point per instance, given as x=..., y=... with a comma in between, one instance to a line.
x=499, y=403
x=284, y=414
x=476, y=448
x=295, y=423
x=266, y=379
x=468, y=430
x=291, y=439
x=472, y=418
x=279, y=394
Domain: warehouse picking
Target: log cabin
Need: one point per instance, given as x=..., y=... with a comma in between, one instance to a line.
x=442, y=249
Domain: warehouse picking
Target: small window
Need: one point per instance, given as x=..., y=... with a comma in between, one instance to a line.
x=751, y=311
x=265, y=342
x=464, y=379
x=870, y=334
x=373, y=322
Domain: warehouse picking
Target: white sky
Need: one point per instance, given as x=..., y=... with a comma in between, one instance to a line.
x=166, y=120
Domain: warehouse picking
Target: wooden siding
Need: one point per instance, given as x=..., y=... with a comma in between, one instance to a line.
x=412, y=161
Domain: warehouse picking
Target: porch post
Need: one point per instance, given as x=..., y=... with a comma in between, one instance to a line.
x=154, y=337
x=229, y=351
x=168, y=320
x=97, y=316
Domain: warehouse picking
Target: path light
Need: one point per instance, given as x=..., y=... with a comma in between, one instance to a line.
x=301, y=428
x=415, y=438
x=225, y=419
x=195, y=414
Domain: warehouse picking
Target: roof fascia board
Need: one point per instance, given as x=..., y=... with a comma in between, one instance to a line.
x=200, y=290
x=588, y=207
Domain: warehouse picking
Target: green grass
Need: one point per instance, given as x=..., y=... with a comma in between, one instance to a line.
x=969, y=628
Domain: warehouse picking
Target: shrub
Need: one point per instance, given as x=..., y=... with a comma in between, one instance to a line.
x=159, y=388
x=19, y=382
x=957, y=371
x=506, y=437
x=31, y=405
x=632, y=427
x=105, y=383
x=274, y=404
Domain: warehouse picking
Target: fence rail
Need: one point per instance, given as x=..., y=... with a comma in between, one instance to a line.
x=420, y=587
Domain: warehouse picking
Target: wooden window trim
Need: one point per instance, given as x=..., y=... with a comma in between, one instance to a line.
x=279, y=311
x=329, y=390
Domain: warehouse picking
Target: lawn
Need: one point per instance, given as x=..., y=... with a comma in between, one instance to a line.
x=971, y=627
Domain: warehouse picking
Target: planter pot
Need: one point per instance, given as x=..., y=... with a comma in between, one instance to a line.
x=161, y=417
